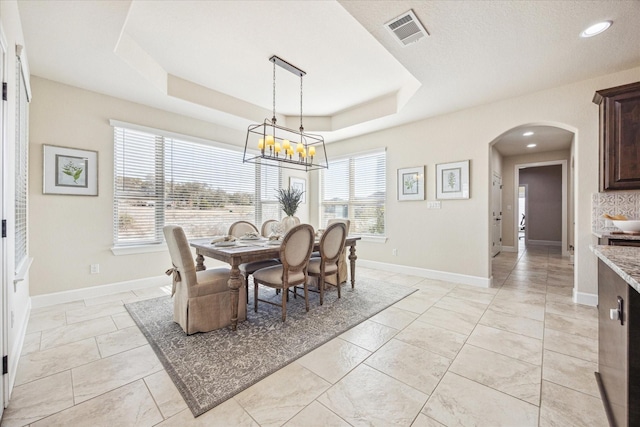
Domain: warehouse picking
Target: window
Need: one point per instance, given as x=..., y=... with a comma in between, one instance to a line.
x=355, y=188
x=160, y=179
x=22, y=171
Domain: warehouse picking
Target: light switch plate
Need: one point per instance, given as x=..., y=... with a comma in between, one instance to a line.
x=434, y=204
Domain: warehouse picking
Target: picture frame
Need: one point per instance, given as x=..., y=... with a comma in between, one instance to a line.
x=452, y=180
x=69, y=171
x=411, y=183
x=300, y=184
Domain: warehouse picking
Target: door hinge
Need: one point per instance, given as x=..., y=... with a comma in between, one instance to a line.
x=4, y=228
x=5, y=365
x=4, y=91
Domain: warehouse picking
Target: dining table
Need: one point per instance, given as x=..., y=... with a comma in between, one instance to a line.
x=249, y=250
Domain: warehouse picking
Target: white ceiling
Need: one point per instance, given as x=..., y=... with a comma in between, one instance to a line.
x=546, y=138
x=209, y=59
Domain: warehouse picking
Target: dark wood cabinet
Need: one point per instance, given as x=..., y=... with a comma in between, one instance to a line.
x=618, y=348
x=619, y=137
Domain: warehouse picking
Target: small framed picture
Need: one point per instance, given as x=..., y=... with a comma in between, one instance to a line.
x=411, y=183
x=452, y=180
x=70, y=171
x=300, y=184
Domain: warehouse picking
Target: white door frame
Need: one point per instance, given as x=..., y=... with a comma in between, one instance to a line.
x=4, y=276
x=496, y=215
x=516, y=175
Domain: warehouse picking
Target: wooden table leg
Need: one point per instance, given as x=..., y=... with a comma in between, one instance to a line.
x=200, y=262
x=235, y=283
x=353, y=258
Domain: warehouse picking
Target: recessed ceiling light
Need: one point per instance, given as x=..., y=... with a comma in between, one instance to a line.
x=527, y=133
x=531, y=145
x=596, y=29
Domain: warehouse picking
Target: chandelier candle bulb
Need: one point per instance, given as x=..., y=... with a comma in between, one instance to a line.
x=286, y=144
x=270, y=140
x=277, y=148
x=299, y=147
x=261, y=144
x=312, y=151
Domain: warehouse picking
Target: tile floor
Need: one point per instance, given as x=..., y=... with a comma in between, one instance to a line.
x=519, y=354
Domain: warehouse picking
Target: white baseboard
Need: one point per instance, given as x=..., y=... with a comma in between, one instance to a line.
x=97, y=291
x=585, y=299
x=544, y=242
x=481, y=282
x=509, y=249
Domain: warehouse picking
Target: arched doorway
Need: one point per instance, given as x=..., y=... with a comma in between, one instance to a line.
x=531, y=146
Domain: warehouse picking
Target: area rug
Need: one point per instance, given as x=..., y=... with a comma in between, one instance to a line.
x=209, y=368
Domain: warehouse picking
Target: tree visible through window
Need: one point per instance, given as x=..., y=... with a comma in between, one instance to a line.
x=355, y=188
x=204, y=189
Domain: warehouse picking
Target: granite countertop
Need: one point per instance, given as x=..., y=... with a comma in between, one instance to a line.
x=624, y=260
x=615, y=234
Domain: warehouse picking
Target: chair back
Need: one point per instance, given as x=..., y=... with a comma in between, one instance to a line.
x=181, y=255
x=332, y=242
x=266, y=228
x=344, y=221
x=296, y=247
x=240, y=228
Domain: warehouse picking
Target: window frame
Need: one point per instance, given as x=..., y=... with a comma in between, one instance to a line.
x=157, y=242
x=352, y=201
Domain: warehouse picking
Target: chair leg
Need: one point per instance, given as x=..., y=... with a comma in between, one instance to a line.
x=321, y=286
x=338, y=284
x=306, y=295
x=255, y=296
x=285, y=295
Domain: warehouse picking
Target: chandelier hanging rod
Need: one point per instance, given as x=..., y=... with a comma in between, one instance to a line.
x=287, y=66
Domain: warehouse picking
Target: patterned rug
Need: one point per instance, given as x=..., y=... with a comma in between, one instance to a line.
x=209, y=368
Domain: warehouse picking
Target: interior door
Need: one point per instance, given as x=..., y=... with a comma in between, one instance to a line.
x=496, y=208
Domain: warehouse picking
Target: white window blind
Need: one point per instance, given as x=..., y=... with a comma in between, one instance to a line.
x=204, y=189
x=21, y=171
x=355, y=188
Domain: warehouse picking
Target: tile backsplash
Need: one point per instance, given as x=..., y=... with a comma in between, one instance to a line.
x=625, y=203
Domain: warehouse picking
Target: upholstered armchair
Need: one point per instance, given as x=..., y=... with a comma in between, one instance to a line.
x=202, y=300
x=331, y=248
x=295, y=251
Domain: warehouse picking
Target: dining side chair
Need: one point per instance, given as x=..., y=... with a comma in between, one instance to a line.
x=342, y=263
x=266, y=228
x=331, y=247
x=295, y=252
x=239, y=229
x=202, y=299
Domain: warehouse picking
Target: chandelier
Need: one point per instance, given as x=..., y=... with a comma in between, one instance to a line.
x=280, y=146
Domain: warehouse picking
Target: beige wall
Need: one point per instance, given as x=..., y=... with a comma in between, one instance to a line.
x=544, y=198
x=509, y=193
x=70, y=233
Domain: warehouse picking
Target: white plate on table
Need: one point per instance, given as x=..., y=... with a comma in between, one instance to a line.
x=250, y=238
x=224, y=244
x=274, y=242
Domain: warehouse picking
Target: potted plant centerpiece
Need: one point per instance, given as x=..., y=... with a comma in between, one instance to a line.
x=289, y=199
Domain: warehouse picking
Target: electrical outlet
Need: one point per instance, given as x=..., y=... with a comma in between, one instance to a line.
x=95, y=268
x=394, y=252
x=434, y=204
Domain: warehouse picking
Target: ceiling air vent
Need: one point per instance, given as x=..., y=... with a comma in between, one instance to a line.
x=407, y=28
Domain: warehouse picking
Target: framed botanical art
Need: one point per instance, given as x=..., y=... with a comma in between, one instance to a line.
x=70, y=171
x=300, y=184
x=411, y=183
x=452, y=180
